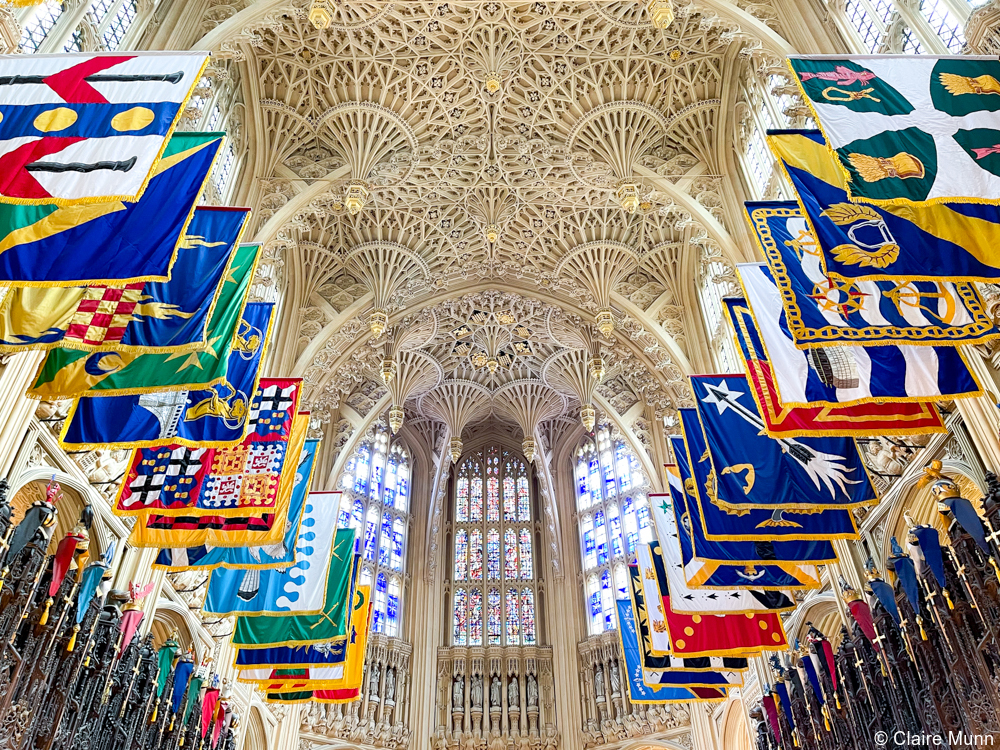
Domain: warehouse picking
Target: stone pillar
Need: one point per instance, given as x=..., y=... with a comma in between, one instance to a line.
x=981, y=415
x=10, y=31
x=15, y=408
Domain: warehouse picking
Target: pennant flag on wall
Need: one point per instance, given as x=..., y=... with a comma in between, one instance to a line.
x=176, y=480
x=67, y=373
x=256, y=527
x=299, y=588
x=145, y=317
x=849, y=375
x=87, y=127
x=954, y=241
x=330, y=624
x=908, y=128
x=215, y=417
x=823, y=309
x=638, y=690
x=110, y=243
x=753, y=470
x=872, y=418
x=300, y=520
x=701, y=601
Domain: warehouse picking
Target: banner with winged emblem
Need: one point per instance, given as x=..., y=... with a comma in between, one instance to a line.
x=69, y=373
x=908, y=128
x=845, y=375
x=145, y=317
x=301, y=516
x=212, y=418
x=755, y=471
x=80, y=128
x=861, y=420
x=932, y=242
x=115, y=242
x=821, y=309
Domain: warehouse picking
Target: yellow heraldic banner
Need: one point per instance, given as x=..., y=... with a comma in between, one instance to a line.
x=255, y=529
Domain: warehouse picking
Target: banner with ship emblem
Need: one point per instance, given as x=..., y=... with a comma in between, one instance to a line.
x=114, y=242
x=148, y=316
x=252, y=527
x=908, y=128
x=301, y=517
x=848, y=375
x=79, y=128
x=934, y=242
x=212, y=418
x=821, y=309
x=68, y=373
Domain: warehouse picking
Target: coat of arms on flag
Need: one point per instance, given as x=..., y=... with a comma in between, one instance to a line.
x=80, y=128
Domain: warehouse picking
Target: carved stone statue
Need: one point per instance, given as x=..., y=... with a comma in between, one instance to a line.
x=513, y=699
x=458, y=694
x=477, y=692
x=495, y=687
x=599, y=683
x=390, y=686
x=373, y=678
x=616, y=679
x=532, y=691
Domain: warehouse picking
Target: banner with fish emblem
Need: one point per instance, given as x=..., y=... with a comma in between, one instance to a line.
x=298, y=588
x=848, y=375
x=752, y=470
x=256, y=526
x=68, y=373
x=343, y=675
x=778, y=535
x=114, y=242
x=908, y=128
x=300, y=519
x=211, y=418
x=861, y=420
x=821, y=309
x=676, y=569
x=329, y=624
x=177, y=480
x=638, y=690
x=144, y=317
x=86, y=127
x=937, y=242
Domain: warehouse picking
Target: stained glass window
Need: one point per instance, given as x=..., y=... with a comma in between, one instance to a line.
x=613, y=511
x=460, y=633
x=374, y=502
x=493, y=528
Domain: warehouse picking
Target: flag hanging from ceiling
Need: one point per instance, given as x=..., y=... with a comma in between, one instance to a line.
x=822, y=309
x=254, y=527
x=909, y=128
x=212, y=418
x=110, y=243
x=300, y=519
x=298, y=588
x=638, y=690
x=861, y=420
x=849, y=375
x=80, y=128
x=330, y=624
x=752, y=470
x=318, y=655
x=147, y=316
x=313, y=696
x=177, y=480
x=939, y=242
x=67, y=373
x=701, y=601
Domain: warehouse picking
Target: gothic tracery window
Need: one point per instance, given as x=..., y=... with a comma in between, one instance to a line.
x=613, y=511
x=923, y=26
x=718, y=280
x=495, y=594
x=376, y=502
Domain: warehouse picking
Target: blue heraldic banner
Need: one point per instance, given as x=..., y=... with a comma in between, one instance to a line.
x=272, y=556
x=318, y=655
x=711, y=525
x=756, y=471
x=214, y=417
x=822, y=309
x=638, y=690
x=951, y=241
x=110, y=243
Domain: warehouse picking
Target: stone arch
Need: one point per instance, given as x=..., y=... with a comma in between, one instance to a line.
x=733, y=729
x=31, y=486
x=170, y=616
x=256, y=736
